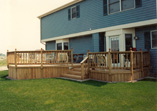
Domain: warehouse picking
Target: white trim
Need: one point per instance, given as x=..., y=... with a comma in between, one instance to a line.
x=130, y=25
x=151, y=38
x=121, y=33
x=62, y=42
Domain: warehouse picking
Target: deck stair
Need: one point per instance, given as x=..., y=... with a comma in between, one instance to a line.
x=74, y=73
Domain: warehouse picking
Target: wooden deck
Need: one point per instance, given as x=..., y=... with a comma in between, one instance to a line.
x=103, y=66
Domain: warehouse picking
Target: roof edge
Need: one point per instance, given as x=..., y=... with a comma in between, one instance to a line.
x=59, y=8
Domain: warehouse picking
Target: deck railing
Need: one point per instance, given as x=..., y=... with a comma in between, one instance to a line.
x=119, y=59
x=40, y=57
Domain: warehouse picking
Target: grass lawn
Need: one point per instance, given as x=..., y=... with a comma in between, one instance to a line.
x=64, y=95
x=3, y=62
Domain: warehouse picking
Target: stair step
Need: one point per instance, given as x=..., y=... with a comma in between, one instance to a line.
x=74, y=72
x=76, y=69
x=71, y=76
x=77, y=66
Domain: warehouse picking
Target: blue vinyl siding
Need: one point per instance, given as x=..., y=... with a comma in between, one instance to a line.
x=91, y=16
x=81, y=44
x=95, y=39
x=51, y=45
x=139, y=32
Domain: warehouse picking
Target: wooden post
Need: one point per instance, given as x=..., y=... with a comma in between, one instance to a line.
x=15, y=63
x=15, y=58
x=109, y=64
x=72, y=56
x=149, y=59
x=7, y=59
x=141, y=63
x=82, y=71
x=88, y=67
x=41, y=62
x=131, y=65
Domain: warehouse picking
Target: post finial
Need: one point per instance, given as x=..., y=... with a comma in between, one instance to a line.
x=109, y=50
x=41, y=49
x=130, y=49
x=88, y=50
x=140, y=49
x=7, y=50
x=15, y=49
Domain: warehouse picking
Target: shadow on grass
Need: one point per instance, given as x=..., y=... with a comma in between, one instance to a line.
x=3, y=75
x=4, y=78
x=95, y=83
x=149, y=79
x=89, y=82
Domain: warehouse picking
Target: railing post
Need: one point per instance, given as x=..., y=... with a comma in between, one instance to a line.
x=41, y=58
x=88, y=62
x=15, y=58
x=109, y=64
x=149, y=59
x=82, y=71
x=141, y=60
x=131, y=65
x=72, y=56
x=41, y=71
x=7, y=59
x=15, y=63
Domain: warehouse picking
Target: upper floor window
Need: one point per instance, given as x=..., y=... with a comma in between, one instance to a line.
x=112, y=6
x=154, y=39
x=74, y=12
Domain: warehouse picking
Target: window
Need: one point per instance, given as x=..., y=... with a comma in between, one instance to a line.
x=154, y=39
x=112, y=6
x=74, y=12
x=59, y=46
x=127, y=4
x=147, y=44
x=114, y=43
x=62, y=44
x=66, y=46
x=128, y=42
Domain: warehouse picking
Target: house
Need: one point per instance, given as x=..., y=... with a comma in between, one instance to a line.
x=98, y=25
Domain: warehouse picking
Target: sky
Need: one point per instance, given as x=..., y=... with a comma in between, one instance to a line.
x=19, y=25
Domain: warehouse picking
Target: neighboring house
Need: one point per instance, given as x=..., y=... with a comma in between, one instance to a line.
x=98, y=25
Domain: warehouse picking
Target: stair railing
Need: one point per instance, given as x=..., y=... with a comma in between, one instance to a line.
x=83, y=67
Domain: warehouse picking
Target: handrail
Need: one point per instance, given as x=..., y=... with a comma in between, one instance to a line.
x=83, y=69
x=119, y=60
x=40, y=57
x=83, y=61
